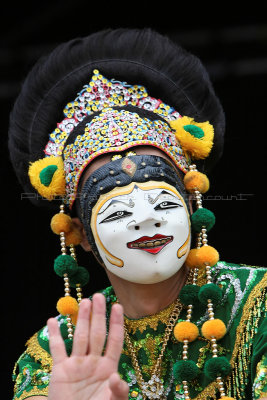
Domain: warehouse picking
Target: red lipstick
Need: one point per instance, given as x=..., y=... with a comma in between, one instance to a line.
x=152, y=245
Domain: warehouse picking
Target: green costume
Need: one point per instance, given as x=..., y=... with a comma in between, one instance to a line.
x=243, y=310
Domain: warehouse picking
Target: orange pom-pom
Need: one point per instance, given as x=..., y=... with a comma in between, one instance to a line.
x=207, y=255
x=67, y=305
x=185, y=330
x=74, y=318
x=61, y=223
x=214, y=328
x=195, y=180
x=73, y=237
x=192, y=260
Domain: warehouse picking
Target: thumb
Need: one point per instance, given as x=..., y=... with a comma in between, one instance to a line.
x=119, y=388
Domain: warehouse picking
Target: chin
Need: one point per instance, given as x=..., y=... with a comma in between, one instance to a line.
x=151, y=279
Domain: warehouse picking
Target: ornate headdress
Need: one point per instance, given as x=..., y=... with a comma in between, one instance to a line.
x=114, y=112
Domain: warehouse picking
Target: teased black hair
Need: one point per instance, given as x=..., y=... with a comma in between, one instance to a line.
x=137, y=56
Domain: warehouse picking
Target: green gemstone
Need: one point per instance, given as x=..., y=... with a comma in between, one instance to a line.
x=46, y=175
x=194, y=130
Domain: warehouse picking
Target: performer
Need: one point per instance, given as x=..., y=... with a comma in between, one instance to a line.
x=118, y=131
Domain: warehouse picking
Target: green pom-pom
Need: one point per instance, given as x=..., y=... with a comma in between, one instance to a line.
x=217, y=366
x=189, y=294
x=185, y=370
x=210, y=291
x=194, y=130
x=202, y=217
x=65, y=264
x=46, y=175
x=81, y=276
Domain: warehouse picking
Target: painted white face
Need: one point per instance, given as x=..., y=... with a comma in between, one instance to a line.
x=142, y=231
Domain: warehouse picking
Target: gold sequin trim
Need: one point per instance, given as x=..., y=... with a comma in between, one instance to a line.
x=33, y=392
x=38, y=353
x=152, y=320
x=261, y=371
x=201, y=278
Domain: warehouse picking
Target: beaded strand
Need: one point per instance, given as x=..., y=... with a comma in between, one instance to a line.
x=66, y=278
x=202, y=257
x=66, y=267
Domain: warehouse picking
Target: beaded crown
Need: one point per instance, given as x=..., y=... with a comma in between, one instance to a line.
x=112, y=130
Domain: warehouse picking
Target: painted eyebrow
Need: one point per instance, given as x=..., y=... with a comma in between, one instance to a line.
x=130, y=204
x=153, y=201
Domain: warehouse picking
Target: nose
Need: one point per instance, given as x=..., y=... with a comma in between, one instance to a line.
x=147, y=221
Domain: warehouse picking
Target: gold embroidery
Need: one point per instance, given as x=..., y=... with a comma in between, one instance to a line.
x=152, y=320
x=208, y=392
x=33, y=392
x=38, y=353
x=151, y=344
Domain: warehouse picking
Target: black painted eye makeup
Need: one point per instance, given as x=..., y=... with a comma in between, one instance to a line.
x=116, y=215
x=166, y=205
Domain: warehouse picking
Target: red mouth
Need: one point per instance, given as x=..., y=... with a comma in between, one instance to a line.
x=152, y=245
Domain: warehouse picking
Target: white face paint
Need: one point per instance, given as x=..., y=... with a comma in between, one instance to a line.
x=142, y=231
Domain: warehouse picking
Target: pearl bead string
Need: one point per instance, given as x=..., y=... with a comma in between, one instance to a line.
x=66, y=278
x=203, y=239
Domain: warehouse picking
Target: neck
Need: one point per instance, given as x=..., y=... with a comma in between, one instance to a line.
x=140, y=300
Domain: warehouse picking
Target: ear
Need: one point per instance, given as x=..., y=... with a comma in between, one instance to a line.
x=84, y=243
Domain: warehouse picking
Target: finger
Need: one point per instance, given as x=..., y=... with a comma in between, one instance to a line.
x=56, y=343
x=97, y=335
x=119, y=388
x=81, y=335
x=116, y=334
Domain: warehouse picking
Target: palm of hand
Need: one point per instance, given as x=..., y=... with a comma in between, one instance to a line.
x=86, y=374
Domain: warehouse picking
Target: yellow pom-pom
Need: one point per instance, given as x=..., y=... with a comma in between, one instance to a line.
x=61, y=223
x=192, y=260
x=195, y=180
x=196, y=138
x=47, y=177
x=207, y=255
x=185, y=330
x=214, y=328
x=73, y=237
x=67, y=305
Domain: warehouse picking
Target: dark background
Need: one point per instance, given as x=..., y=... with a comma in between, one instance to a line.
x=233, y=46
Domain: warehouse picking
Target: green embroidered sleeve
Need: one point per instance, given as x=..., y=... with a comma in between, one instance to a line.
x=31, y=379
x=32, y=370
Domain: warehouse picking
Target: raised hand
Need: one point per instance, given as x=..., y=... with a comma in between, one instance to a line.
x=87, y=374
